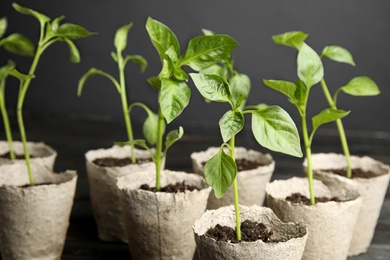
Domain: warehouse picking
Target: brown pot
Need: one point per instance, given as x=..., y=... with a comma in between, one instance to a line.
x=251, y=183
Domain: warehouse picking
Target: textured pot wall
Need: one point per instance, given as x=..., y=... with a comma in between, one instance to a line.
x=251, y=23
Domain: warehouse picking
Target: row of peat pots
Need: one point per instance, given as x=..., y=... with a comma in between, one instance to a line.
x=187, y=216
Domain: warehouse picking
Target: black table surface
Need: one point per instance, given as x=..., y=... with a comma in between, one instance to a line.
x=72, y=138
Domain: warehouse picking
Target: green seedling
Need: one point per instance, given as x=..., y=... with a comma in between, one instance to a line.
x=51, y=31
x=358, y=86
x=173, y=92
x=310, y=71
x=272, y=127
x=18, y=44
x=120, y=43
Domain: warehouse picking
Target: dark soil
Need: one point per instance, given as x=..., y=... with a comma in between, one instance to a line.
x=118, y=162
x=299, y=198
x=17, y=156
x=246, y=165
x=250, y=232
x=356, y=173
x=171, y=188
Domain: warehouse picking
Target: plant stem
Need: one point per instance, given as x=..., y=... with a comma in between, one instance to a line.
x=308, y=158
x=340, y=128
x=125, y=106
x=235, y=193
x=7, y=127
x=159, y=155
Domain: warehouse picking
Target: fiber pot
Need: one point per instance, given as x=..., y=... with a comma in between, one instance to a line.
x=330, y=224
x=39, y=152
x=159, y=224
x=251, y=183
x=104, y=193
x=293, y=235
x=372, y=191
x=34, y=219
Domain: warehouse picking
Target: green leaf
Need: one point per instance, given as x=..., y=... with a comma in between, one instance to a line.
x=162, y=37
x=231, y=124
x=18, y=44
x=361, y=86
x=120, y=40
x=3, y=26
x=339, y=54
x=274, y=129
x=137, y=59
x=326, y=116
x=174, y=98
x=93, y=72
x=166, y=70
x=285, y=87
x=6, y=69
x=310, y=68
x=72, y=31
x=150, y=126
x=220, y=172
x=56, y=23
x=300, y=96
x=212, y=87
x=240, y=85
x=216, y=69
x=23, y=10
x=172, y=137
x=155, y=83
x=20, y=76
x=293, y=39
x=114, y=56
x=207, y=50
x=137, y=142
x=74, y=52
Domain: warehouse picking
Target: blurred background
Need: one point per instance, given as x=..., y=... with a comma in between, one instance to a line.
x=362, y=27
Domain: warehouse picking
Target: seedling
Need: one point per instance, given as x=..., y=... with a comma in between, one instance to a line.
x=358, y=86
x=272, y=128
x=173, y=93
x=50, y=32
x=310, y=71
x=120, y=43
x=18, y=44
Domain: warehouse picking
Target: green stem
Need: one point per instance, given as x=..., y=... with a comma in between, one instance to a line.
x=7, y=127
x=340, y=128
x=308, y=158
x=125, y=106
x=235, y=193
x=159, y=155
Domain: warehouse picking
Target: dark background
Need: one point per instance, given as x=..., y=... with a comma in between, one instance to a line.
x=362, y=27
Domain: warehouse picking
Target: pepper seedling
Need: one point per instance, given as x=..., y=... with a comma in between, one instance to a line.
x=51, y=31
x=310, y=71
x=272, y=127
x=120, y=43
x=18, y=44
x=173, y=92
x=358, y=86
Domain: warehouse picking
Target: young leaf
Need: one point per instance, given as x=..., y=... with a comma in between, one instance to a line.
x=274, y=129
x=207, y=50
x=149, y=127
x=120, y=40
x=292, y=39
x=92, y=72
x=361, y=86
x=23, y=10
x=240, y=85
x=56, y=23
x=72, y=31
x=137, y=59
x=230, y=124
x=310, y=68
x=74, y=52
x=339, y=54
x=212, y=87
x=220, y=172
x=162, y=37
x=18, y=44
x=326, y=116
x=3, y=26
x=22, y=77
x=6, y=69
x=174, y=97
x=138, y=142
x=300, y=96
x=285, y=87
x=155, y=83
x=172, y=137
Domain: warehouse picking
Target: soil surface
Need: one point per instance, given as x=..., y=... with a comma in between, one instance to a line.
x=250, y=231
x=356, y=173
x=118, y=162
x=171, y=188
x=246, y=165
x=299, y=198
x=17, y=156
